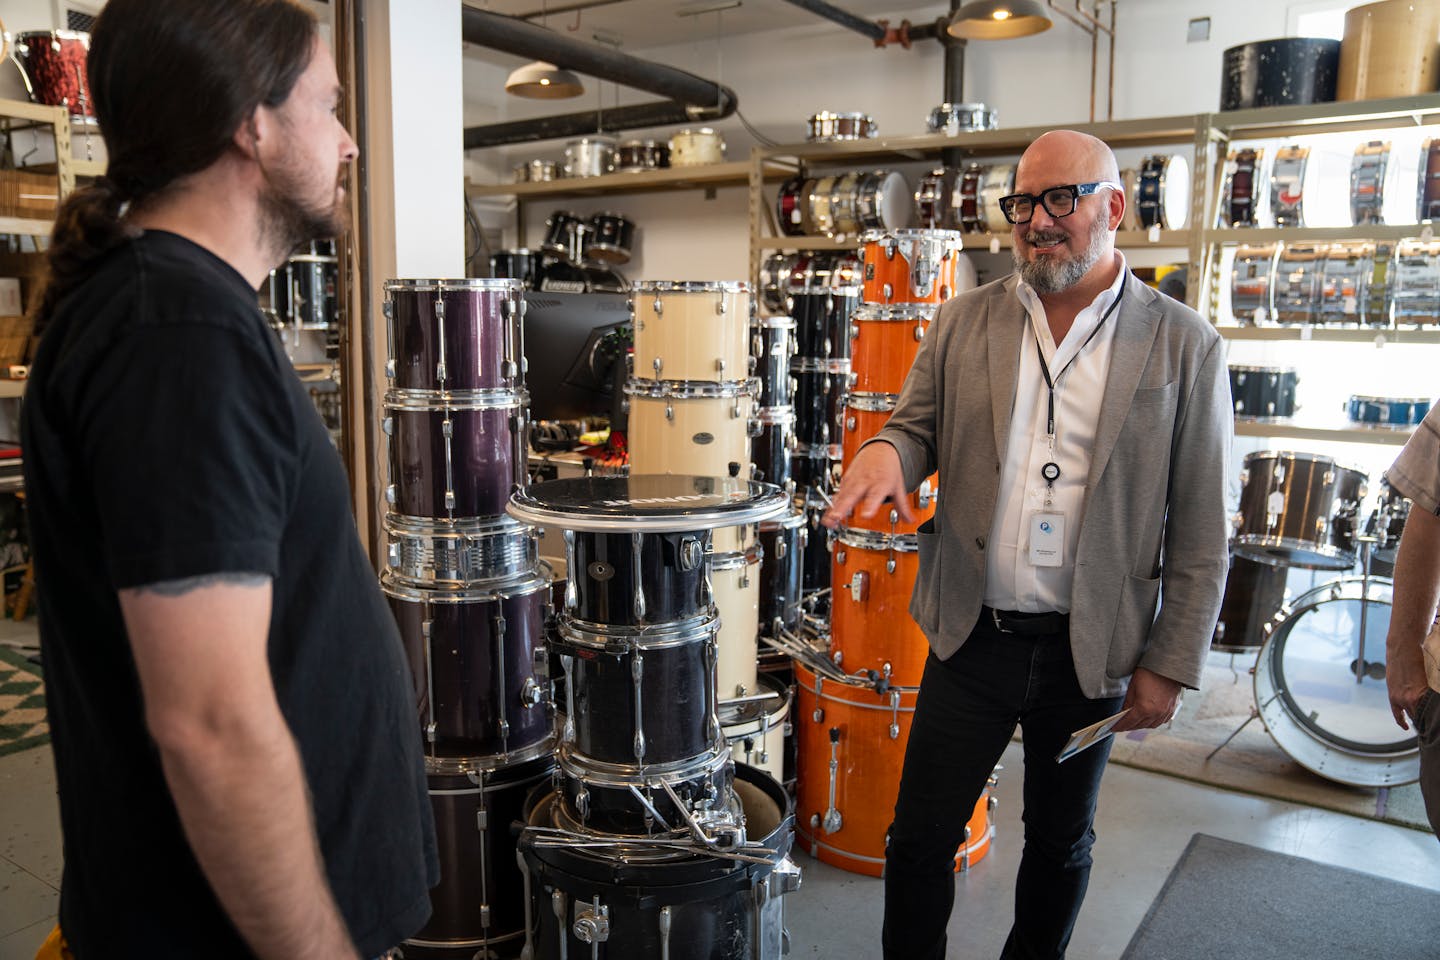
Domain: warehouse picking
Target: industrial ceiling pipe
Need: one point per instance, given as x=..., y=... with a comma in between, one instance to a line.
x=869, y=28
x=690, y=97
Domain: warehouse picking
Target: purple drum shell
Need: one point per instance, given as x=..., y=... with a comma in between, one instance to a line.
x=487, y=459
x=483, y=345
x=476, y=674
x=480, y=879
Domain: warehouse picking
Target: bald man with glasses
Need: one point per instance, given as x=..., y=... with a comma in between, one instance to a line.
x=1081, y=425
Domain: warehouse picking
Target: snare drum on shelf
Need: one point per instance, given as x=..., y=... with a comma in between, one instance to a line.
x=1367, y=182
x=536, y=171
x=827, y=127
x=1399, y=413
x=691, y=331
x=1263, y=393
x=1164, y=192
x=695, y=427
x=851, y=745
x=845, y=204
x=884, y=201
x=1251, y=281
x=589, y=156
x=1240, y=197
x=1299, y=273
x=637, y=156
x=694, y=147
x=911, y=266
x=865, y=416
x=1287, y=184
x=1416, y=290
x=1345, y=284
x=934, y=198
x=966, y=200
x=956, y=118
x=822, y=195
x=884, y=339
x=791, y=206
x=1299, y=510
x=1427, y=194
x=998, y=181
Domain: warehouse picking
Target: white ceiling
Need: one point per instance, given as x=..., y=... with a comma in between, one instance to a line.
x=647, y=24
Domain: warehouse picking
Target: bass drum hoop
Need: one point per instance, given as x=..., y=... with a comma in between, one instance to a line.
x=1364, y=765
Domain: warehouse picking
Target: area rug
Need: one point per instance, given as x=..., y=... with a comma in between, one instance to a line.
x=1252, y=762
x=1232, y=900
x=22, y=704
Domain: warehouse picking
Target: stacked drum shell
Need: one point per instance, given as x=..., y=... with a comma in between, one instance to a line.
x=854, y=706
x=468, y=592
x=693, y=402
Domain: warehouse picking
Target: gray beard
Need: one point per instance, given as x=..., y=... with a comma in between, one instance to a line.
x=1051, y=275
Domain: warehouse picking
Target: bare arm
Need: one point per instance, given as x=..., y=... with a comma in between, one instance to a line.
x=230, y=761
x=1416, y=592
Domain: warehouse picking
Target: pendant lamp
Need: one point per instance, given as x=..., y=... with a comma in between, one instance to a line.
x=999, y=19
x=539, y=80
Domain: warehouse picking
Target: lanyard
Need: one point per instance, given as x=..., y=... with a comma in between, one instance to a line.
x=1051, y=470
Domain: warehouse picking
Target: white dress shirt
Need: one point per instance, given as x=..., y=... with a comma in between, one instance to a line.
x=1012, y=582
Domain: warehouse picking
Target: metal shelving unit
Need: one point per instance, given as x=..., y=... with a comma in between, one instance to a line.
x=1375, y=435
x=648, y=181
x=1378, y=336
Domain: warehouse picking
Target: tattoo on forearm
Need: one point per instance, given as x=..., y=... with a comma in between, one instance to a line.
x=178, y=588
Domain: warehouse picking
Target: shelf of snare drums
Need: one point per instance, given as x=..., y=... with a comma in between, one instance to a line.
x=1368, y=231
x=978, y=242
x=1321, y=333
x=641, y=181
x=1350, y=433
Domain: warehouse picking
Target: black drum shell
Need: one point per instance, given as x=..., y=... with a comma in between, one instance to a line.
x=561, y=232
x=486, y=455
x=611, y=238
x=604, y=578
x=1254, y=592
x=770, y=452
x=819, y=407
x=613, y=809
x=478, y=865
x=520, y=265
x=772, y=347
x=782, y=575
x=816, y=566
x=822, y=323
x=1263, y=393
x=1273, y=73
x=464, y=669
x=677, y=697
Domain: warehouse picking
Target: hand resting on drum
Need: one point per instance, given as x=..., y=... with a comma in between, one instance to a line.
x=873, y=477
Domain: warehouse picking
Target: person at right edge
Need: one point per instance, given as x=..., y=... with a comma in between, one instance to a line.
x=1081, y=425
x=234, y=725
x=1412, y=662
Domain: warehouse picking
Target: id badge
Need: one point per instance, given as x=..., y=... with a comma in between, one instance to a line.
x=1047, y=539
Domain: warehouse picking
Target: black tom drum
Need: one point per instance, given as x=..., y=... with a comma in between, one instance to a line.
x=1263, y=393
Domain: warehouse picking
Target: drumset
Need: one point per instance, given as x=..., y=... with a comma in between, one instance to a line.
x=578, y=255
x=857, y=671
x=1319, y=678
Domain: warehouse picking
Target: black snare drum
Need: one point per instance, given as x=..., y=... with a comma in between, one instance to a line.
x=520, y=264
x=935, y=199
x=771, y=449
x=772, y=344
x=783, y=543
x=611, y=238
x=636, y=156
x=1263, y=393
x=564, y=233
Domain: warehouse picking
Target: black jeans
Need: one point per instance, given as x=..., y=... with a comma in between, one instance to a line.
x=966, y=712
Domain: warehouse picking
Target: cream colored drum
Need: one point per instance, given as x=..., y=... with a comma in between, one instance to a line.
x=822, y=202
x=735, y=585
x=1389, y=50
x=695, y=147
x=997, y=181
x=689, y=428
x=755, y=728
x=691, y=331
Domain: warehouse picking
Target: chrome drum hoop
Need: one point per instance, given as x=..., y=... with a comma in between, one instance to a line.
x=691, y=389
x=457, y=555
x=872, y=402
x=884, y=542
x=616, y=638
x=601, y=774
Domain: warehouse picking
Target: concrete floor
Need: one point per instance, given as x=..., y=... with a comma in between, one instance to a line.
x=1145, y=822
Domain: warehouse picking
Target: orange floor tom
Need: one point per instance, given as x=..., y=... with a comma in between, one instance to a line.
x=911, y=266
x=884, y=339
x=865, y=415
x=872, y=577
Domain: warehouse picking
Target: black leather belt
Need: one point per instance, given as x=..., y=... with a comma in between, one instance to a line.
x=1027, y=624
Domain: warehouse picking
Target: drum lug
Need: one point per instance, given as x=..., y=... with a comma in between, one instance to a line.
x=720, y=367
x=837, y=657
x=890, y=560
x=854, y=331
x=926, y=493
x=387, y=426
x=860, y=586
x=390, y=494
x=692, y=553
x=388, y=309
x=592, y=924
x=657, y=365
x=582, y=803
x=508, y=369
x=531, y=694
x=833, y=821
x=894, y=714
x=840, y=555
x=390, y=368
x=664, y=922
x=920, y=330
x=669, y=411
x=889, y=292
x=659, y=306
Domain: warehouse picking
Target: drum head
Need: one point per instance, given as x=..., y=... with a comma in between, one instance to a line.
x=893, y=201
x=1322, y=694
x=1177, y=192
x=654, y=503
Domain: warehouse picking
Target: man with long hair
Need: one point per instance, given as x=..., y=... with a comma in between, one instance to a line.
x=234, y=724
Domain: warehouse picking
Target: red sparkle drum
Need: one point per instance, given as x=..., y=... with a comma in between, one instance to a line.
x=792, y=207
x=884, y=339
x=911, y=266
x=865, y=415
x=851, y=746
x=935, y=198
x=872, y=577
x=967, y=200
x=54, y=69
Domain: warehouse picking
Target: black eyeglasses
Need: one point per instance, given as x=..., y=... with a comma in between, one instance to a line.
x=1057, y=201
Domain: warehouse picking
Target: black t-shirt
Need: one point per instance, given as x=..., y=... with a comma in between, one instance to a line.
x=166, y=436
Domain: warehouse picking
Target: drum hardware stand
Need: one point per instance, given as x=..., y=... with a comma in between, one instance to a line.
x=1254, y=712
x=1367, y=542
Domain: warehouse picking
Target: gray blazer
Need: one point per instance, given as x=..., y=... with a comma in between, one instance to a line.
x=1156, y=488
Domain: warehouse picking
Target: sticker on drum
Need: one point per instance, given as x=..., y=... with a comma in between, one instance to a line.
x=1163, y=192
x=456, y=457
x=1320, y=686
x=682, y=905
x=471, y=652
x=479, y=903
x=756, y=728
x=997, y=181
x=690, y=428
x=884, y=202
x=735, y=584
x=1299, y=510
x=455, y=334
x=912, y=266
x=696, y=331
x=844, y=808
x=884, y=339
